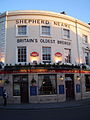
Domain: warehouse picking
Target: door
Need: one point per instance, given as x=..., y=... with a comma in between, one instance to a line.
x=69, y=82
x=24, y=89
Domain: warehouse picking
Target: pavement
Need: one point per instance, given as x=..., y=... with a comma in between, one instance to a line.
x=38, y=106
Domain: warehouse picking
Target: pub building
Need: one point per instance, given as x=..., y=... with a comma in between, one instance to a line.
x=44, y=57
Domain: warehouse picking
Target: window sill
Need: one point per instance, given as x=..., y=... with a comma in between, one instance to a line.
x=21, y=35
x=47, y=36
x=67, y=39
x=49, y=95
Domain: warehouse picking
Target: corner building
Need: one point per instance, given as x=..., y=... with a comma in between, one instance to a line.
x=46, y=57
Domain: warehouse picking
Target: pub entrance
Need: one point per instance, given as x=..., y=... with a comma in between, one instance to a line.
x=20, y=87
x=69, y=82
x=24, y=89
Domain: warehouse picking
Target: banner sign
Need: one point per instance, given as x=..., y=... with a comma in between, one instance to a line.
x=78, y=88
x=1, y=91
x=43, y=71
x=61, y=89
x=33, y=90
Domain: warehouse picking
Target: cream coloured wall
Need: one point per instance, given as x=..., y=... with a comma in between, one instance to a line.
x=76, y=28
x=2, y=39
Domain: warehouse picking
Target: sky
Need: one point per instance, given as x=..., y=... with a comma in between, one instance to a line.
x=79, y=9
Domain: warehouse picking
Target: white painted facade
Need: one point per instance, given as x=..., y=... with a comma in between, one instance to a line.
x=31, y=36
x=34, y=40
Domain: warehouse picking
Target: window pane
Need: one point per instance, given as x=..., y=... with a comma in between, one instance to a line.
x=16, y=85
x=46, y=54
x=67, y=55
x=21, y=54
x=45, y=30
x=87, y=58
x=85, y=39
x=47, y=84
x=22, y=30
x=66, y=33
x=16, y=89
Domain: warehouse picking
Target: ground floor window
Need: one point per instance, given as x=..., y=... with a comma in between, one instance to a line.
x=87, y=82
x=16, y=85
x=20, y=85
x=47, y=84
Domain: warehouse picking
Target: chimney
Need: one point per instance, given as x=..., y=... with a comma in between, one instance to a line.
x=63, y=12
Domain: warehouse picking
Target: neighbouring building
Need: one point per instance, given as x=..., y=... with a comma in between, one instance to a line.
x=45, y=57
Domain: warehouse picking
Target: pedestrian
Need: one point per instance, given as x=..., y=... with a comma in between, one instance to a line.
x=5, y=97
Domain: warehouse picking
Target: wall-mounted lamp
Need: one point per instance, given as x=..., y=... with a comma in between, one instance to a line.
x=0, y=80
x=78, y=78
x=61, y=77
x=33, y=82
x=7, y=81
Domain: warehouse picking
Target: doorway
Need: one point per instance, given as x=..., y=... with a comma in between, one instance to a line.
x=24, y=89
x=69, y=82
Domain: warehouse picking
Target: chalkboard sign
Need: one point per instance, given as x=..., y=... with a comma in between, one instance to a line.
x=77, y=88
x=61, y=89
x=1, y=91
x=33, y=90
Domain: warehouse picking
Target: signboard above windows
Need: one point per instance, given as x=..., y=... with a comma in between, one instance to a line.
x=42, y=22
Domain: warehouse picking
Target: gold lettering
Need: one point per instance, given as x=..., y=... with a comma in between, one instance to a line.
x=25, y=21
x=46, y=22
x=17, y=21
x=55, y=23
x=42, y=21
x=34, y=21
x=38, y=21
x=21, y=21
x=29, y=21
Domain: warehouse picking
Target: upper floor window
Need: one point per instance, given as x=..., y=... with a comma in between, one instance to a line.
x=22, y=30
x=87, y=58
x=87, y=82
x=22, y=54
x=66, y=33
x=45, y=30
x=67, y=55
x=85, y=39
x=46, y=54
